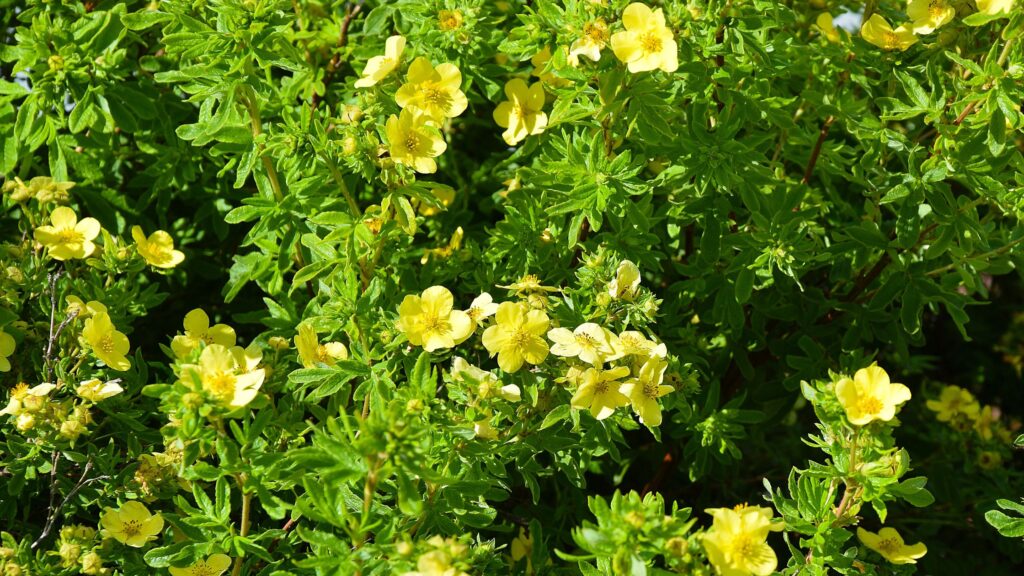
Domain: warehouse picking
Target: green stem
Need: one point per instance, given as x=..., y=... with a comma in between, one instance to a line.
x=236, y=570
x=353, y=207
x=989, y=254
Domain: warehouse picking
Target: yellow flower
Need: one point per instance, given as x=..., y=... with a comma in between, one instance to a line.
x=378, y=67
x=84, y=309
x=590, y=44
x=483, y=429
x=878, y=32
x=644, y=390
x=106, y=342
x=599, y=392
x=989, y=460
x=444, y=252
x=24, y=398
x=414, y=143
x=433, y=92
x=215, y=565
x=197, y=331
x=539, y=61
x=647, y=43
x=157, y=250
x=445, y=195
x=987, y=419
x=428, y=320
x=312, y=352
x=588, y=341
x=95, y=390
x=632, y=343
x=626, y=283
x=483, y=306
x=954, y=402
x=828, y=29
x=737, y=542
x=132, y=524
x=68, y=237
x=222, y=377
x=521, y=115
x=928, y=15
x=890, y=545
x=870, y=396
x=440, y=562
x=529, y=283
x=487, y=383
x=993, y=7
x=517, y=336
x=522, y=547
x=6, y=349
x=448, y=20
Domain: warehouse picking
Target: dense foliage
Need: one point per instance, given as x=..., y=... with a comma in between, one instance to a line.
x=460, y=287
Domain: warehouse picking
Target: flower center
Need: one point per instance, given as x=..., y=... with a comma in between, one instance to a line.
x=892, y=41
x=221, y=384
x=743, y=547
x=595, y=32
x=650, y=42
x=869, y=405
x=651, y=390
x=323, y=356
x=106, y=343
x=131, y=528
x=936, y=8
x=586, y=341
x=201, y=569
x=412, y=142
x=889, y=545
x=521, y=338
x=449, y=19
x=69, y=235
x=436, y=97
x=436, y=324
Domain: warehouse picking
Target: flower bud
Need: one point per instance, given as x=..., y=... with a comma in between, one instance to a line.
x=92, y=564
x=278, y=343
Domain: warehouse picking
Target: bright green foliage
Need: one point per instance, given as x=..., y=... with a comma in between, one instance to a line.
x=458, y=299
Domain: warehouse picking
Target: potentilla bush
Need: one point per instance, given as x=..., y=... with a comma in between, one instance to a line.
x=461, y=287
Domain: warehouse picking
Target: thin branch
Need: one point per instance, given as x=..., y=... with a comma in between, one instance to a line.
x=48, y=355
x=54, y=512
x=822, y=135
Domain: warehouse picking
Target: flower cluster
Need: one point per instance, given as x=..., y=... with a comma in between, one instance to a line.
x=39, y=411
x=926, y=16
x=961, y=411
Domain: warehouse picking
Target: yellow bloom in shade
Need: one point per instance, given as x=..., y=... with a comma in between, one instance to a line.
x=220, y=375
x=24, y=398
x=599, y=392
x=828, y=29
x=448, y=20
x=157, y=250
x=644, y=390
x=198, y=331
x=106, y=342
x=588, y=341
x=413, y=143
x=878, y=32
x=987, y=419
x=67, y=237
x=84, y=309
x=428, y=320
x=483, y=306
x=95, y=390
x=737, y=542
x=522, y=114
x=646, y=44
x=378, y=67
x=954, y=402
x=928, y=15
x=132, y=524
x=993, y=7
x=890, y=545
x=6, y=349
x=312, y=352
x=870, y=396
x=215, y=565
x=590, y=43
x=626, y=283
x=631, y=343
x=522, y=547
x=517, y=336
x=432, y=91
x=487, y=384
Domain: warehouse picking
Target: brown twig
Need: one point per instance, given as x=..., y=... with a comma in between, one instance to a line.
x=822, y=135
x=54, y=511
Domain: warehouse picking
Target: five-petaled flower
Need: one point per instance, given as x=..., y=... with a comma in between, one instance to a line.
x=95, y=390
x=644, y=390
x=928, y=15
x=879, y=32
x=517, y=336
x=870, y=396
x=891, y=546
x=132, y=524
x=68, y=237
x=378, y=67
x=646, y=43
x=312, y=352
x=214, y=565
x=158, y=249
x=626, y=283
x=599, y=391
x=522, y=114
x=954, y=402
x=737, y=542
x=483, y=306
x=429, y=320
x=414, y=143
x=433, y=92
x=107, y=343
x=226, y=375
x=198, y=331
x=590, y=43
x=589, y=342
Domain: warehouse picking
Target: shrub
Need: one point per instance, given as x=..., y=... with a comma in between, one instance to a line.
x=452, y=287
